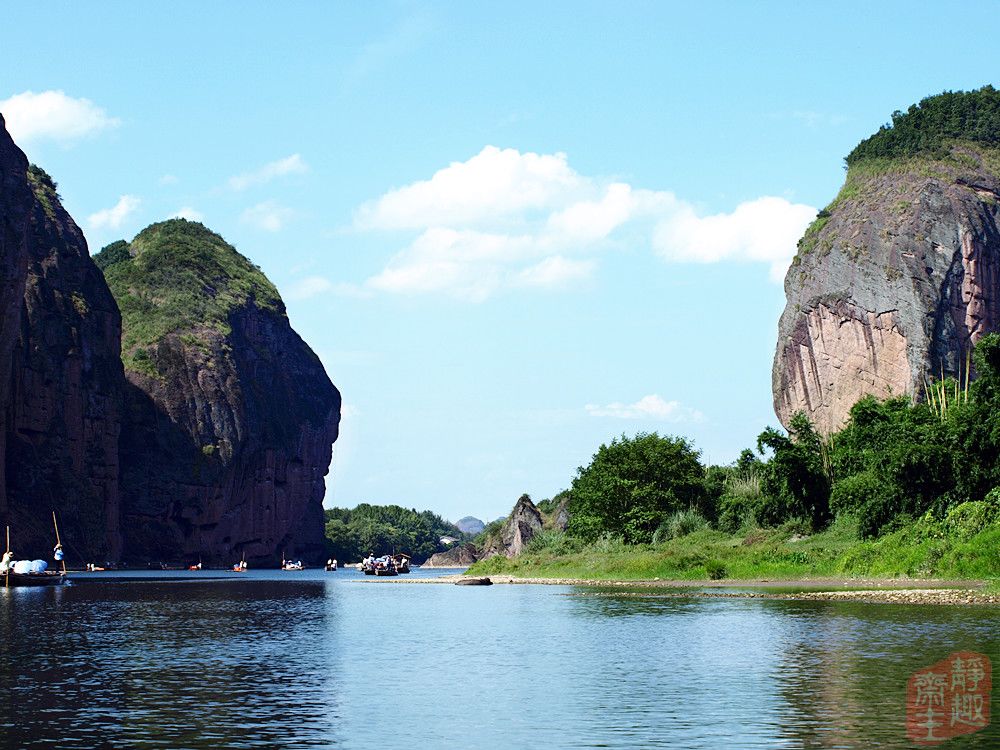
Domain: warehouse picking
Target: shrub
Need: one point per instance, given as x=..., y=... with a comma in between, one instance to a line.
x=715, y=569
x=680, y=523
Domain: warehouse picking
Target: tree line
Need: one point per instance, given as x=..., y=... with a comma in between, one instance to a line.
x=352, y=534
x=893, y=462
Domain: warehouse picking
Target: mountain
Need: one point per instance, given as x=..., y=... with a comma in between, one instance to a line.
x=61, y=379
x=230, y=416
x=899, y=276
x=470, y=525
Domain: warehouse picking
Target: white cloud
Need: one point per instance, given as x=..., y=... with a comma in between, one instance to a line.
x=114, y=217
x=293, y=164
x=52, y=115
x=652, y=408
x=505, y=219
x=556, y=271
x=191, y=214
x=169, y=179
x=309, y=287
x=765, y=230
x=491, y=185
x=269, y=216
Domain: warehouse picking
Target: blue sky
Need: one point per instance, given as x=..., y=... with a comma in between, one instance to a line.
x=511, y=231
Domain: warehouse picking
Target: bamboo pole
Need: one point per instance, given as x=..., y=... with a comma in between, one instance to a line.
x=59, y=541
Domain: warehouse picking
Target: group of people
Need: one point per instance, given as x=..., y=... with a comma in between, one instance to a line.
x=8, y=563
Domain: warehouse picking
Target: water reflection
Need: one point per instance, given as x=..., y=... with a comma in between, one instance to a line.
x=197, y=665
x=308, y=660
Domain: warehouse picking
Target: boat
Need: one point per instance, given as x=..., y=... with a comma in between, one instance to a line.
x=240, y=567
x=386, y=566
x=45, y=578
x=292, y=565
x=402, y=563
x=33, y=572
x=331, y=566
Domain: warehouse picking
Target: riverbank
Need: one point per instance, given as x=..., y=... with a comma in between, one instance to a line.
x=924, y=549
x=865, y=590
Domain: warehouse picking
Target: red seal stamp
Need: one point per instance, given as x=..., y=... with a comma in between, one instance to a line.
x=949, y=698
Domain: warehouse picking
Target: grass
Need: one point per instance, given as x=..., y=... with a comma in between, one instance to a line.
x=922, y=549
x=179, y=277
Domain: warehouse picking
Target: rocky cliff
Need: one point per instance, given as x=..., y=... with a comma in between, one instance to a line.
x=900, y=275
x=62, y=394
x=521, y=525
x=16, y=200
x=230, y=416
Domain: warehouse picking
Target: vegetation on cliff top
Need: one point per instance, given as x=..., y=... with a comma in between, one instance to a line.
x=45, y=189
x=178, y=276
x=941, y=137
x=927, y=127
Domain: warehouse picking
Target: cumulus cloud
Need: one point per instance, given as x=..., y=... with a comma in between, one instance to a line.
x=765, y=230
x=269, y=216
x=191, y=214
x=293, y=164
x=505, y=219
x=651, y=408
x=114, y=217
x=54, y=116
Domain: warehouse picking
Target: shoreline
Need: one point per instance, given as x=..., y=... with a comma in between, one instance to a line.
x=863, y=590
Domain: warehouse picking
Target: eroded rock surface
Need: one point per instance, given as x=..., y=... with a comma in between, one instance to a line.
x=893, y=284
x=63, y=380
x=231, y=417
x=517, y=531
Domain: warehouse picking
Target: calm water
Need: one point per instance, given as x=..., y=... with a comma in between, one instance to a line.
x=304, y=660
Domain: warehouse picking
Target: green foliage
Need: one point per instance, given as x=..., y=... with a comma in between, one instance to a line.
x=633, y=484
x=928, y=126
x=384, y=529
x=793, y=482
x=715, y=570
x=45, y=189
x=178, y=276
x=116, y=252
x=678, y=524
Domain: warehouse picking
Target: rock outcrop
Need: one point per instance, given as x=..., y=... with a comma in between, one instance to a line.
x=893, y=283
x=230, y=416
x=517, y=531
x=62, y=393
x=459, y=556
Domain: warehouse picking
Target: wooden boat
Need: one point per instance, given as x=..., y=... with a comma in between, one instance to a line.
x=474, y=582
x=331, y=566
x=41, y=578
x=402, y=563
x=48, y=578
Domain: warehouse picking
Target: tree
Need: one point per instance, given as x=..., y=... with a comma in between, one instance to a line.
x=793, y=482
x=632, y=484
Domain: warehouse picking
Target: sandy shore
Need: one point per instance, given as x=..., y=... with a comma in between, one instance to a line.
x=869, y=590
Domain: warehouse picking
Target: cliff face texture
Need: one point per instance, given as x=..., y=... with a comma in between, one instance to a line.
x=16, y=201
x=230, y=416
x=521, y=525
x=892, y=284
x=63, y=390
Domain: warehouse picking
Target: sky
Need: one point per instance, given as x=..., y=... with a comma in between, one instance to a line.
x=511, y=231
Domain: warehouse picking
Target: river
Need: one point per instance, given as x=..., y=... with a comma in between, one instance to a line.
x=333, y=660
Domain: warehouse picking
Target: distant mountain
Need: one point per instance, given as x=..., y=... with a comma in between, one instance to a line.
x=470, y=525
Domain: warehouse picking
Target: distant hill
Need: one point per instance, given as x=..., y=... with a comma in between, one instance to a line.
x=470, y=525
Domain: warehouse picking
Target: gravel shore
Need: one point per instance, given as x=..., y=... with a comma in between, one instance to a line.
x=873, y=591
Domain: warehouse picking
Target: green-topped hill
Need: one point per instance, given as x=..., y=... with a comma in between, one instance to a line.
x=177, y=276
x=927, y=127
